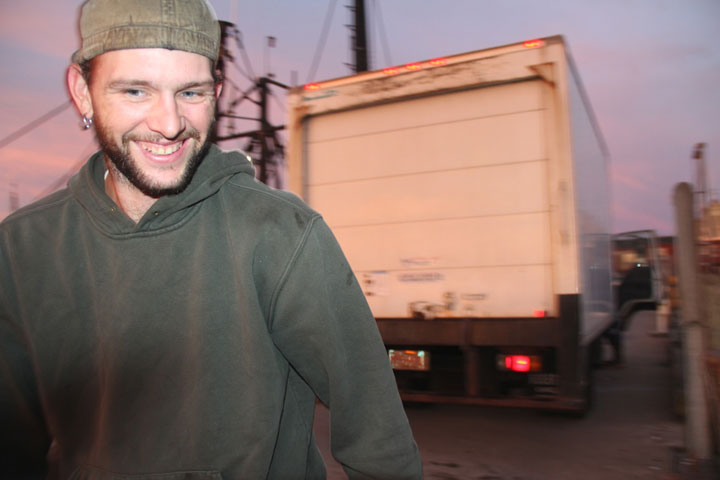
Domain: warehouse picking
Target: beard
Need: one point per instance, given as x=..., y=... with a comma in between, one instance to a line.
x=120, y=156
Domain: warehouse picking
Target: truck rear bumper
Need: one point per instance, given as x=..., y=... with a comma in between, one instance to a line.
x=554, y=403
x=463, y=353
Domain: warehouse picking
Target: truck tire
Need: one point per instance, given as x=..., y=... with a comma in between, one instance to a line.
x=588, y=379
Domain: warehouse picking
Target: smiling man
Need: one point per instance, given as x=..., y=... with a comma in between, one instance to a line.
x=168, y=317
x=152, y=109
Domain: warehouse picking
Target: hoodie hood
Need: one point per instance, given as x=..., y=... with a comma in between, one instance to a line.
x=88, y=188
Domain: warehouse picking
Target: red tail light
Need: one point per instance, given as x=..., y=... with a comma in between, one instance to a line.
x=519, y=363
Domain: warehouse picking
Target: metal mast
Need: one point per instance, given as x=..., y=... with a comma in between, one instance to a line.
x=360, y=45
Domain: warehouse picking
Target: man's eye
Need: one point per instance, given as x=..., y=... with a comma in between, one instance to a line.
x=191, y=95
x=134, y=92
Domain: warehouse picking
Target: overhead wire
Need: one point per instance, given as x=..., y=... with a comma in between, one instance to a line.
x=243, y=72
x=231, y=83
x=63, y=179
x=241, y=46
x=280, y=104
x=382, y=32
x=34, y=124
x=322, y=41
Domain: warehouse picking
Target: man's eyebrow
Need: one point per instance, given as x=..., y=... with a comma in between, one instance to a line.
x=130, y=83
x=203, y=84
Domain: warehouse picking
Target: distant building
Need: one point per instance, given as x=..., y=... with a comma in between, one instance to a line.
x=710, y=222
x=709, y=237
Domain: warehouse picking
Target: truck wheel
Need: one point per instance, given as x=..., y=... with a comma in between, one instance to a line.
x=588, y=380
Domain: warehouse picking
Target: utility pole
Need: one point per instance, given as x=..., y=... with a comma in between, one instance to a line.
x=360, y=44
x=701, y=178
x=263, y=143
x=265, y=138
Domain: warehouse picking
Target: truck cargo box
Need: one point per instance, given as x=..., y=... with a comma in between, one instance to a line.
x=470, y=195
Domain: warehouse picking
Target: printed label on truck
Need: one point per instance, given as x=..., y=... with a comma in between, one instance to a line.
x=419, y=261
x=421, y=277
x=375, y=284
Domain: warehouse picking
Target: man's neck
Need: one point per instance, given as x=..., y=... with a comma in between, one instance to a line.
x=128, y=198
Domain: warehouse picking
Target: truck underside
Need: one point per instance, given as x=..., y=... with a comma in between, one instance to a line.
x=468, y=360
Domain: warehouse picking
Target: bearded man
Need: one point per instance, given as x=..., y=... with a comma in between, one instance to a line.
x=168, y=317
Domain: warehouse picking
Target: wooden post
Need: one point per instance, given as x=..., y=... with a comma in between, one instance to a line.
x=694, y=330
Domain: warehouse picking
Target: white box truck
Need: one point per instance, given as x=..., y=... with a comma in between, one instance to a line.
x=470, y=195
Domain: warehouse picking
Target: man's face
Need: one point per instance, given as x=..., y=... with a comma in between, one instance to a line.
x=153, y=110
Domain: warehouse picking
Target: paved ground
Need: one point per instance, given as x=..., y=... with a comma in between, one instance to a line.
x=631, y=433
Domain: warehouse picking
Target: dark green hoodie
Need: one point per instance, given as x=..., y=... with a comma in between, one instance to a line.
x=191, y=345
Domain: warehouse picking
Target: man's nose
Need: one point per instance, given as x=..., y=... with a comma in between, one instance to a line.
x=166, y=117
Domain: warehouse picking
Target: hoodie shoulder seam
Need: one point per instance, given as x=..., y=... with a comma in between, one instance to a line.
x=279, y=196
x=289, y=267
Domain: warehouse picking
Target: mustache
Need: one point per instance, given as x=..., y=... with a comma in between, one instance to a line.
x=188, y=133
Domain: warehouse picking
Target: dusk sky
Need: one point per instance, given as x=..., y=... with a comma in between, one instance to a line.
x=651, y=69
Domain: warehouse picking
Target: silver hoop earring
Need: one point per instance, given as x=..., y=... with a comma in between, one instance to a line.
x=86, y=122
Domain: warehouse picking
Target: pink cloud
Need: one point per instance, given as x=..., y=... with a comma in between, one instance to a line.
x=627, y=218
x=18, y=15
x=631, y=181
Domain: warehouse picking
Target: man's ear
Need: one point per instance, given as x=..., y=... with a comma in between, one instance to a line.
x=218, y=89
x=79, y=90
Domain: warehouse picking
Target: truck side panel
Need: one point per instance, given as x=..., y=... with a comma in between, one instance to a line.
x=593, y=213
x=450, y=191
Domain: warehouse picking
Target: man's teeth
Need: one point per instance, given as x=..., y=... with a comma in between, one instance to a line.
x=162, y=150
